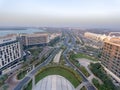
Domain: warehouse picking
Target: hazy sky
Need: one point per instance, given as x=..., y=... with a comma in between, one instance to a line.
x=60, y=12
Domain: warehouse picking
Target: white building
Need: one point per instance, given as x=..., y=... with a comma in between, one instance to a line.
x=10, y=52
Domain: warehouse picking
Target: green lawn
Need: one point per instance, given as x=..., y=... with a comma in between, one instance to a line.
x=3, y=78
x=40, y=61
x=62, y=61
x=80, y=55
x=99, y=71
x=21, y=74
x=84, y=71
x=96, y=82
x=83, y=88
x=35, y=51
x=76, y=63
x=69, y=74
x=81, y=68
x=29, y=86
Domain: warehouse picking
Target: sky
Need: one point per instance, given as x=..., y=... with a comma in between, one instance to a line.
x=101, y=13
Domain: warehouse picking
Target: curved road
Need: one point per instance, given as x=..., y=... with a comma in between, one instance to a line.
x=89, y=86
x=33, y=72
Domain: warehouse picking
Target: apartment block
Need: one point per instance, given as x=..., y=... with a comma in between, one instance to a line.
x=10, y=51
x=94, y=36
x=111, y=55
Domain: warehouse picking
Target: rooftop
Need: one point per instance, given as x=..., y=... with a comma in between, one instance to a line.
x=113, y=40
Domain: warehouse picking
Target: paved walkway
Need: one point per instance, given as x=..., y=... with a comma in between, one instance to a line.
x=80, y=86
x=54, y=82
x=12, y=81
x=83, y=84
x=85, y=62
x=57, y=57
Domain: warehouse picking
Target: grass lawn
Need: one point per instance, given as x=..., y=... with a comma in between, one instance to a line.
x=80, y=55
x=99, y=71
x=81, y=68
x=35, y=51
x=3, y=78
x=83, y=88
x=62, y=61
x=76, y=63
x=84, y=71
x=21, y=75
x=29, y=86
x=40, y=61
x=69, y=74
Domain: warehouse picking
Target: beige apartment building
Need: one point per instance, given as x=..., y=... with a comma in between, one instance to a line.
x=111, y=55
x=94, y=36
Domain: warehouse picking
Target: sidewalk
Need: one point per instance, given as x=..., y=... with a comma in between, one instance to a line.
x=57, y=57
x=12, y=81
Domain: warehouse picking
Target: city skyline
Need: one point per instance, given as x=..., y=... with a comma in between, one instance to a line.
x=76, y=13
x=60, y=44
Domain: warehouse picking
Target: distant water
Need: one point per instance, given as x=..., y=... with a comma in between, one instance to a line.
x=28, y=31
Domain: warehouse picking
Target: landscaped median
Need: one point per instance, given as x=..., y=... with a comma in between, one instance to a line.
x=84, y=71
x=28, y=86
x=73, y=59
x=81, y=55
x=21, y=74
x=64, y=71
x=83, y=88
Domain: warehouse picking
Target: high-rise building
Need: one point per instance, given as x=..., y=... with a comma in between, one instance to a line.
x=111, y=56
x=10, y=52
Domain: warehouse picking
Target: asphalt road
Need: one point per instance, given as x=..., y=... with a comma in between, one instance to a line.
x=89, y=86
x=28, y=77
x=33, y=72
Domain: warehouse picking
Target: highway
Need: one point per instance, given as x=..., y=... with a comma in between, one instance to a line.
x=34, y=71
x=89, y=86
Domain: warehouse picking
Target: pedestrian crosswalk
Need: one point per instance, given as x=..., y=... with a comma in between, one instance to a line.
x=87, y=84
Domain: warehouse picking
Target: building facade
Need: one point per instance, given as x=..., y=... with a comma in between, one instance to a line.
x=34, y=39
x=94, y=36
x=111, y=56
x=10, y=52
